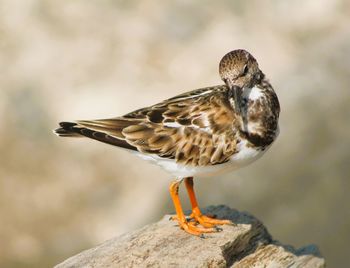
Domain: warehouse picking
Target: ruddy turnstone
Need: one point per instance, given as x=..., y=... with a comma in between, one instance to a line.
x=201, y=132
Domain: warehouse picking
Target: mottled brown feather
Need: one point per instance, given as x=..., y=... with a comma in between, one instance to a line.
x=195, y=128
x=198, y=128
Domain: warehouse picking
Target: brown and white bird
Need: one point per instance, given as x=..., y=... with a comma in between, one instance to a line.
x=198, y=133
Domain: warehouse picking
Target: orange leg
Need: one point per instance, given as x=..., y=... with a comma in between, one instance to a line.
x=205, y=221
x=189, y=227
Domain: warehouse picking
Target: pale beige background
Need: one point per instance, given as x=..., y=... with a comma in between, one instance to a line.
x=63, y=60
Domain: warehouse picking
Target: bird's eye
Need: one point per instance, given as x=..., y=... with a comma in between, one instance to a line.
x=245, y=70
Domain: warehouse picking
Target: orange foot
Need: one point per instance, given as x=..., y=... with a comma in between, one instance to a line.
x=197, y=215
x=194, y=229
x=207, y=221
x=187, y=226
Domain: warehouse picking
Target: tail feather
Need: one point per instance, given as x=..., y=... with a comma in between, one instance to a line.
x=70, y=129
x=66, y=131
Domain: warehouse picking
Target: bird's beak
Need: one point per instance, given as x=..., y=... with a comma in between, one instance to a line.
x=237, y=93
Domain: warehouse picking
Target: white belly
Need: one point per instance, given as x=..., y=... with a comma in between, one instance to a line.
x=243, y=157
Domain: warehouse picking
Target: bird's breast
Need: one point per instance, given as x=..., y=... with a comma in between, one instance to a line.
x=260, y=114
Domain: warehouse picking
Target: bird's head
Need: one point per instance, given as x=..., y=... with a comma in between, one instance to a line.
x=240, y=71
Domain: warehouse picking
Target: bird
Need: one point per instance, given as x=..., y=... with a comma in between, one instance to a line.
x=202, y=132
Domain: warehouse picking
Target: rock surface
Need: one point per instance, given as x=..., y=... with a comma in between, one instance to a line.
x=163, y=244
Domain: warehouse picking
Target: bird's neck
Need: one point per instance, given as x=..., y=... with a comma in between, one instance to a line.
x=259, y=114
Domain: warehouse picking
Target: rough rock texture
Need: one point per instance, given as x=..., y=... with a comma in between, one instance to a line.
x=163, y=244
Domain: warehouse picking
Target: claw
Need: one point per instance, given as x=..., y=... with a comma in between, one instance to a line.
x=218, y=229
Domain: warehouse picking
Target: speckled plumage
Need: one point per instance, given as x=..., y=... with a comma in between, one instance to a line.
x=198, y=128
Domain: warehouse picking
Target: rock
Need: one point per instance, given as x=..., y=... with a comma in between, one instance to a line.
x=163, y=244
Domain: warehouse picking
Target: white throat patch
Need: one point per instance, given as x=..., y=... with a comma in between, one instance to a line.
x=252, y=93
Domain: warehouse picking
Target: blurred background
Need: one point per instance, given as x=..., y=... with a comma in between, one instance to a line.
x=66, y=60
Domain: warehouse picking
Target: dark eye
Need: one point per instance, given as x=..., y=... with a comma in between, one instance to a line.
x=245, y=70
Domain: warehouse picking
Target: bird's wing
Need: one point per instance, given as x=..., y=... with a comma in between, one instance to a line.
x=195, y=128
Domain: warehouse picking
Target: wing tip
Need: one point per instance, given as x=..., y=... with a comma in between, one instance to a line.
x=65, y=130
x=66, y=125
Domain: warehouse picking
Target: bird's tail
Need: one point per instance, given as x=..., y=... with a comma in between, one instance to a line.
x=107, y=131
x=67, y=130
